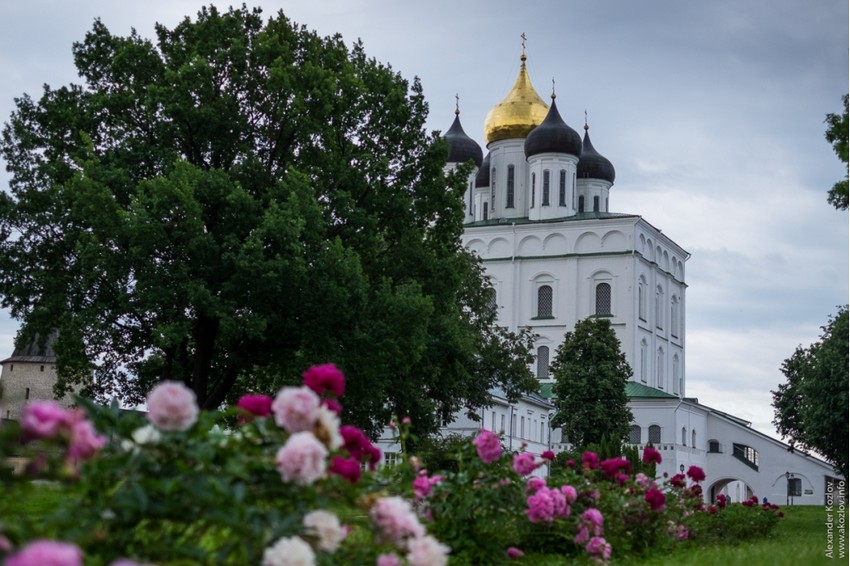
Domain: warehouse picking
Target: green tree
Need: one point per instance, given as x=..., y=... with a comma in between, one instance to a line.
x=836, y=134
x=811, y=407
x=590, y=374
x=236, y=201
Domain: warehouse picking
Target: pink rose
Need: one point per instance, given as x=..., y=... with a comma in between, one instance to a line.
x=427, y=551
x=172, y=406
x=85, y=440
x=396, y=519
x=488, y=446
x=296, y=409
x=524, y=463
x=391, y=559
x=535, y=483
x=43, y=419
x=591, y=460
x=302, y=459
x=569, y=493
x=325, y=377
x=513, y=552
x=548, y=455
x=46, y=553
x=599, y=547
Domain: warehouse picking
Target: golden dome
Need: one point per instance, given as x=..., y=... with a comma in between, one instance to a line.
x=520, y=112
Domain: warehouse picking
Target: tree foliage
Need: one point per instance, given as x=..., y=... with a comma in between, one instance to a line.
x=590, y=374
x=238, y=200
x=811, y=407
x=837, y=135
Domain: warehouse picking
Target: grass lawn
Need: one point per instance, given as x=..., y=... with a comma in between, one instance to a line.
x=798, y=539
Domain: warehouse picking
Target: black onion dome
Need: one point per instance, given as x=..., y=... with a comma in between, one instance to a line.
x=553, y=135
x=592, y=165
x=482, y=178
x=462, y=148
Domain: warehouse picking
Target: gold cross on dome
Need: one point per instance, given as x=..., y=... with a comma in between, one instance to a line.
x=523, y=42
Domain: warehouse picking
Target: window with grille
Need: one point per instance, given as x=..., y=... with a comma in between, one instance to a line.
x=655, y=435
x=509, y=201
x=562, y=188
x=485, y=211
x=581, y=203
x=542, y=362
x=603, y=299
x=492, y=304
x=634, y=434
x=544, y=301
x=545, y=199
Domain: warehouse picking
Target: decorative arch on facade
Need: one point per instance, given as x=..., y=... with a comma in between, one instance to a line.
x=499, y=247
x=614, y=240
x=476, y=246
x=642, y=290
x=659, y=368
x=644, y=347
x=544, y=299
x=635, y=434
x=556, y=244
x=529, y=246
x=543, y=362
x=588, y=242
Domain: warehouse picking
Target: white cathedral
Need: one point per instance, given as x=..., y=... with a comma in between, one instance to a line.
x=538, y=213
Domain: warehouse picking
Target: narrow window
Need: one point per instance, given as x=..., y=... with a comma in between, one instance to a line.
x=471, y=191
x=542, y=436
x=643, y=347
x=493, y=185
x=684, y=436
x=41, y=368
x=693, y=438
x=603, y=299
x=544, y=301
x=12, y=367
x=27, y=393
x=659, y=369
x=485, y=211
x=533, y=187
x=642, y=298
x=674, y=317
x=545, y=199
x=562, y=188
x=655, y=435
x=542, y=362
x=509, y=203
x=634, y=434
x=595, y=204
x=676, y=375
x=581, y=203
x=522, y=427
x=502, y=427
x=493, y=422
x=659, y=308
x=492, y=304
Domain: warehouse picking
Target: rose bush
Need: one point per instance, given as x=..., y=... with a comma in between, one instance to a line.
x=280, y=481
x=182, y=486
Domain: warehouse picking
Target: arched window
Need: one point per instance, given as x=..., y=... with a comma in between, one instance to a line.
x=634, y=434
x=659, y=307
x=533, y=187
x=544, y=301
x=562, y=188
x=544, y=201
x=543, y=362
x=471, y=191
x=492, y=303
x=676, y=374
x=643, y=347
x=485, y=211
x=581, y=203
x=642, y=298
x=674, y=316
x=509, y=201
x=659, y=368
x=693, y=438
x=595, y=204
x=603, y=299
x=655, y=435
x=493, y=185
x=684, y=436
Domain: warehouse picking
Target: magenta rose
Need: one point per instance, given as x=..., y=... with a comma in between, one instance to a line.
x=347, y=468
x=488, y=446
x=325, y=377
x=524, y=463
x=696, y=473
x=655, y=498
x=172, y=406
x=591, y=460
x=256, y=405
x=651, y=455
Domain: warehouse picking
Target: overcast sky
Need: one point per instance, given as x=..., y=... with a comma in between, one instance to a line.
x=711, y=112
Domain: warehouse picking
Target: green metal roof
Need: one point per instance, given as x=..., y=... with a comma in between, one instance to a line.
x=546, y=390
x=640, y=391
